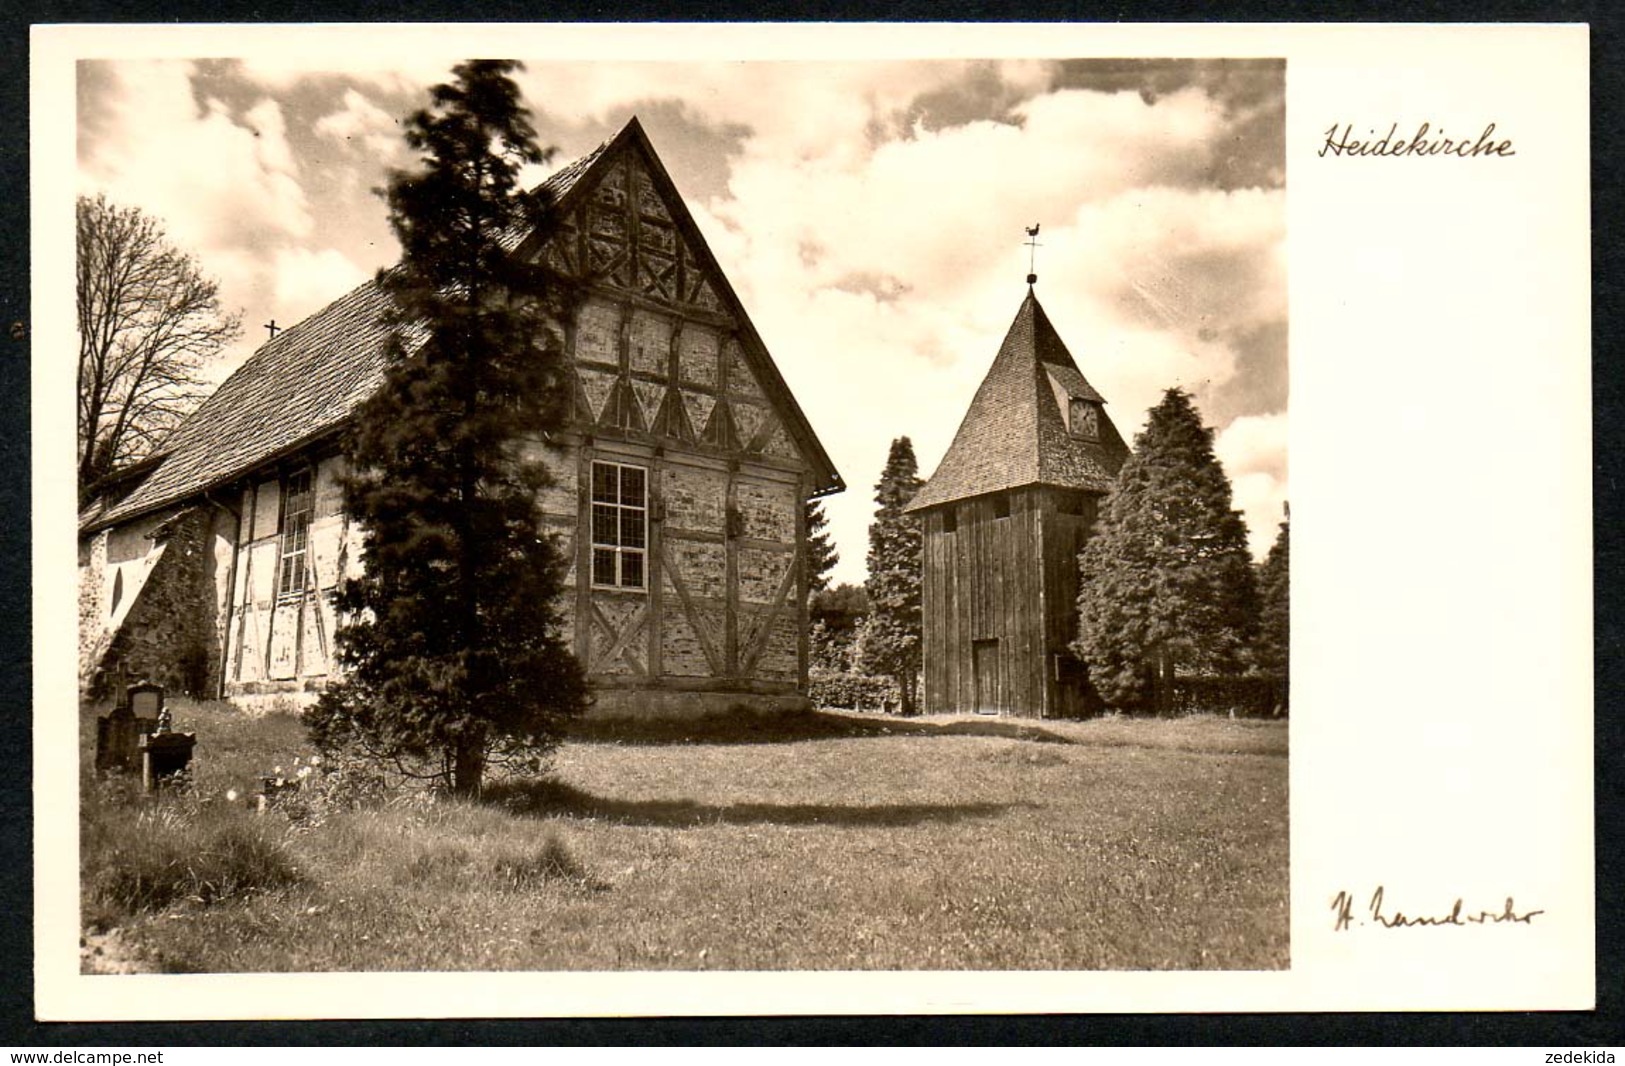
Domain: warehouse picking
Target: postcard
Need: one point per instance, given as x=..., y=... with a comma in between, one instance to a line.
x=983, y=518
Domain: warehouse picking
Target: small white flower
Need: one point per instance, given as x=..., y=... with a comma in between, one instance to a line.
x=315, y=760
x=231, y=795
x=277, y=770
x=304, y=771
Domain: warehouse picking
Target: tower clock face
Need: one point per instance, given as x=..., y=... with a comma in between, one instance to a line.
x=1085, y=420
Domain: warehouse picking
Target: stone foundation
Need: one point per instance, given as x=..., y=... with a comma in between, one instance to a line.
x=259, y=699
x=608, y=704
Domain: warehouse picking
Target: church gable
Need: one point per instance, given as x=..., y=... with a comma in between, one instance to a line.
x=662, y=347
x=672, y=387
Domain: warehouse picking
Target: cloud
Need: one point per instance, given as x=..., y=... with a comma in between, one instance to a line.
x=364, y=127
x=927, y=207
x=1202, y=272
x=288, y=70
x=1250, y=92
x=985, y=90
x=305, y=281
x=215, y=180
x=840, y=104
x=1253, y=451
x=270, y=131
x=226, y=182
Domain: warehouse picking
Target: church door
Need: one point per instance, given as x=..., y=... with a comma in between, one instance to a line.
x=985, y=667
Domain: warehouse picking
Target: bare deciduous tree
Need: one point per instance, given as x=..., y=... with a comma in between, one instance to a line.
x=148, y=320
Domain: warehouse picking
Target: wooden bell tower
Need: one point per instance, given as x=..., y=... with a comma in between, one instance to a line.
x=1004, y=517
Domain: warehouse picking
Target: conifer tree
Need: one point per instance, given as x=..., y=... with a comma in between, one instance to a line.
x=451, y=645
x=1272, y=648
x=1166, y=582
x=821, y=553
x=891, y=640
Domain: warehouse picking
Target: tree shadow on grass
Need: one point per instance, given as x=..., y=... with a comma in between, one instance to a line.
x=547, y=798
x=749, y=727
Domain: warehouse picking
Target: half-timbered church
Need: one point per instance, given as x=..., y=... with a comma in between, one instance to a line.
x=680, y=484
x=1004, y=516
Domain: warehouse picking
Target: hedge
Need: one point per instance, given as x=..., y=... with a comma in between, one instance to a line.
x=1254, y=696
x=861, y=692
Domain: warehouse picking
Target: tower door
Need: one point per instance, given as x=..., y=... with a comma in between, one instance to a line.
x=985, y=668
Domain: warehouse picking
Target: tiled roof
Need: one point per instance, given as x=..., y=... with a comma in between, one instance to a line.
x=1015, y=432
x=299, y=385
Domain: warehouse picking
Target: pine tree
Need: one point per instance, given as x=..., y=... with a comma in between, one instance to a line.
x=890, y=645
x=1166, y=582
x=821, y=553
x=1272, y=647
x=451, y=644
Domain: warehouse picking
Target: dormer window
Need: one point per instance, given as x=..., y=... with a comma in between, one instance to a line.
x=1083, y=419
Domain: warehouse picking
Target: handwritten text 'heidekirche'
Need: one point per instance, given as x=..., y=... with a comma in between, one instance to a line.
x=1340, y=141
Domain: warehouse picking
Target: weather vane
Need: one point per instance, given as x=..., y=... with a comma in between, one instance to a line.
x=1032, y=252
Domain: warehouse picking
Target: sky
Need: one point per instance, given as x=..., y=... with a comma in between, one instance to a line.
x=870, y=215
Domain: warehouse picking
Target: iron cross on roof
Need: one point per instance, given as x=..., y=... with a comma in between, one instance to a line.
x=1032, y=252
x=272, y=327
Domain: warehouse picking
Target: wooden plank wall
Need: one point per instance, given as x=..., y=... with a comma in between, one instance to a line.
x=1011, y=579
x=1066, y=534
x=982, y=582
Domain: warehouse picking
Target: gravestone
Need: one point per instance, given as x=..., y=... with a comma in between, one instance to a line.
x=117, y=737
x=119, y=733
x=164, y=753
x=146, y=701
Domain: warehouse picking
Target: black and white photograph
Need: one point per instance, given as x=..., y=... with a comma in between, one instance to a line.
x=695, y=515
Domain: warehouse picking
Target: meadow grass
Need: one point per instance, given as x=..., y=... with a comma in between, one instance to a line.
x=831, y=841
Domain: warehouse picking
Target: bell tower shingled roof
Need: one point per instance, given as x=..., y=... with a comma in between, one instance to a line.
x=1015, y=432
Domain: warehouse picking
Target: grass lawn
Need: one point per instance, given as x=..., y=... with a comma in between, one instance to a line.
x=848, y=842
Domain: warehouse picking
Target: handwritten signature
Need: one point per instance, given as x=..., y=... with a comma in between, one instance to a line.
x=1343, y=908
